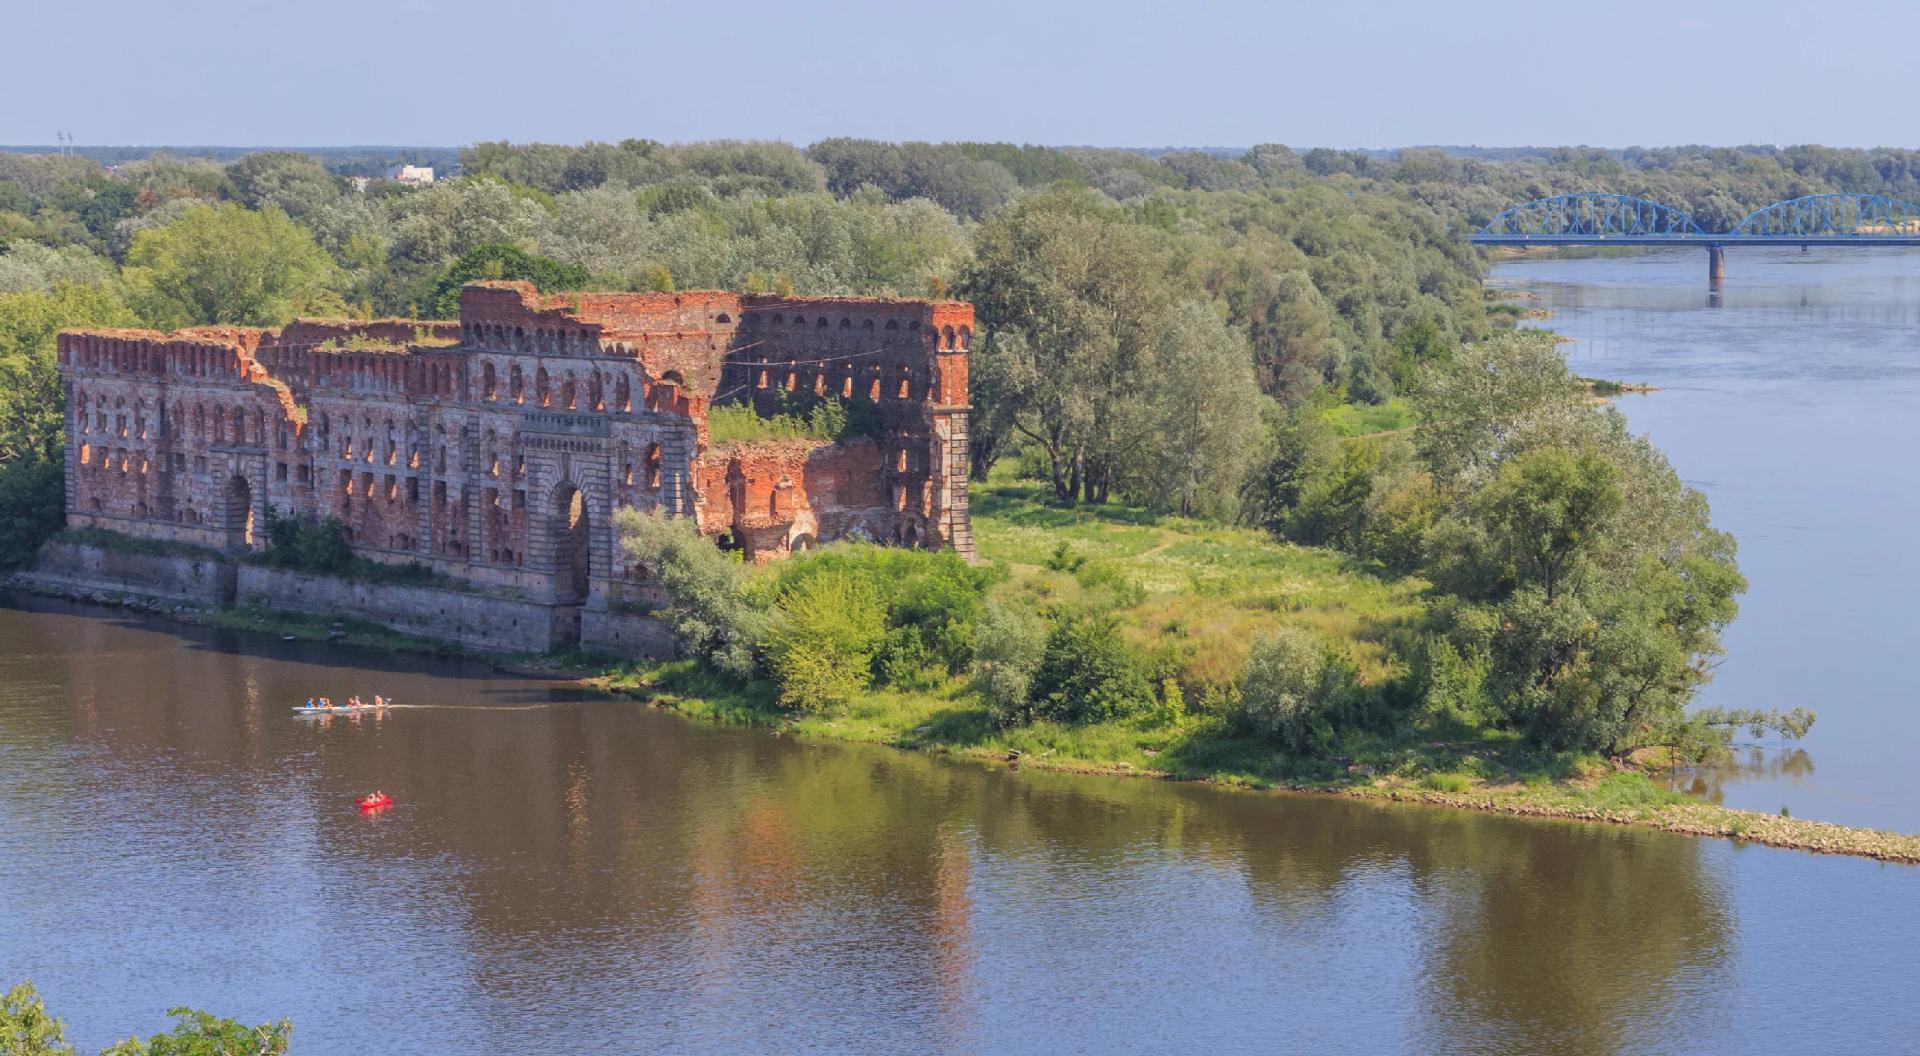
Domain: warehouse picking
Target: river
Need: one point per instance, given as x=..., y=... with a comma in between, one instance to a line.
x=1790, y=400
x=564, y=873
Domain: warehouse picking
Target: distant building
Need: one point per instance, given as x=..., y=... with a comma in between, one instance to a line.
x=411, y=175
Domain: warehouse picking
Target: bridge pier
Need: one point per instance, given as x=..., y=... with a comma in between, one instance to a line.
x=1716, y=265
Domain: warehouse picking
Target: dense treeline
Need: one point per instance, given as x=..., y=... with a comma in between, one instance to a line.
x=1171, y=331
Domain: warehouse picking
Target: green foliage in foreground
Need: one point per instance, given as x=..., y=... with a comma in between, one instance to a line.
x=27, y=1030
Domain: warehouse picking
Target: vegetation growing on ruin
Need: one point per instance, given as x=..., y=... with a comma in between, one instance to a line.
x=115, y=542
x=320, y=546
x=797, y=416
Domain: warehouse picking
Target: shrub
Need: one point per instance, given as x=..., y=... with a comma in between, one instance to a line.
x=823, y=639
x=709, y=618
x=934, y=597
x=1172, y=709
x=1287, y=689
x=1449, y=686
x=32, y=502
x=1008, y=646
x=307, y=543
x=1087, y=673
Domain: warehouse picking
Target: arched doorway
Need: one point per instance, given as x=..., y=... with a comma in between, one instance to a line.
x=237, y=516
x=572, y=558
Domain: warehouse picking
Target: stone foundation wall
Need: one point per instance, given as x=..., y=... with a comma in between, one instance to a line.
x=82, y=568
x=474, y=620
x=625, y=634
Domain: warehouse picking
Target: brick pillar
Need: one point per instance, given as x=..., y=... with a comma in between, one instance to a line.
x=948, y=481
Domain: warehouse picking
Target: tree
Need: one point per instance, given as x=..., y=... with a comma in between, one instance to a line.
x=1543, y=510
x=435, y=224
x=294, y=183
x=1472, y=406
x=1288, y=690
x=25, y=1027
x=822, y=640
x=197, y=1033
x=500, y=260
x=1208, y=412
x=1087, y=673
x=227, y=264
x=1070, y=293
x=1007, y=651
x=32, y=405
x=709, y=617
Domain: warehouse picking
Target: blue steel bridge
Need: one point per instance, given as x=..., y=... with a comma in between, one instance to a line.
x=1594, y=219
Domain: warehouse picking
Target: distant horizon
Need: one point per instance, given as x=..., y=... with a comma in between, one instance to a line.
x=58, y=148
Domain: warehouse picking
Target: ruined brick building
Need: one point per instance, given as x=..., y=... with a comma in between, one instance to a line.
x=496, y=448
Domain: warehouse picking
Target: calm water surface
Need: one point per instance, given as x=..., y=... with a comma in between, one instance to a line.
x=1793, y=401
x=568, y=875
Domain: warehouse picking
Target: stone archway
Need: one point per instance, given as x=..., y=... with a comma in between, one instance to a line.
x=571, y=530
x=236, y=514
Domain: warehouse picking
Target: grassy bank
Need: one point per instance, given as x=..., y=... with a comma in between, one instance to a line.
x=1205, y=591
x=1492, y=777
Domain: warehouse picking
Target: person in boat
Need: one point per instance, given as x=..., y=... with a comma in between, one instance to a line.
x=354, y=702
x=326, y=704
x=309, y=702
x=379, y=701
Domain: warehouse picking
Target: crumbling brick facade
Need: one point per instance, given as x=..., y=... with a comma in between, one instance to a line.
x=496, y=449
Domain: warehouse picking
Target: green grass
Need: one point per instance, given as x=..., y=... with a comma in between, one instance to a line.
x=1203, y=590
x=737, y=423
x=1359, y=419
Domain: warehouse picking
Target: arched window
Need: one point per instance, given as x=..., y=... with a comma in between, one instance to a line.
x=653, y=467
x=516, y=385
x=541, y=395
x=487, y=383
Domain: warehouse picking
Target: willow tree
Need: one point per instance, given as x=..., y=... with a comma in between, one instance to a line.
x=1070, y=295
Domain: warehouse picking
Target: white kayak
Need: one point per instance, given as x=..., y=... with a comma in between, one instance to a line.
x=340, y=709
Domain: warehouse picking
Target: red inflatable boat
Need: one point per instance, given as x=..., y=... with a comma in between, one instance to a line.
x=374, y=801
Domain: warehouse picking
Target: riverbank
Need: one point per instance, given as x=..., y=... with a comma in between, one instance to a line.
x=1489, y=776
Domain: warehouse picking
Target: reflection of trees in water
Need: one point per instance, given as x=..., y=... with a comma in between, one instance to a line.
x=1748, y=762
x=1533, y=936
x=1574, y=942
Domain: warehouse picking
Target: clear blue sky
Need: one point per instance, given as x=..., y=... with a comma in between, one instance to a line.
x=1349, y=73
